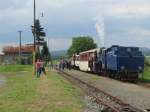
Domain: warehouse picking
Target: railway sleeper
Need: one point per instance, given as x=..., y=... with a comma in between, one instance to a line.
x=106, y=99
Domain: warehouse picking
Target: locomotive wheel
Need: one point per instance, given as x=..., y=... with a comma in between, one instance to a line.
x=122, y=77
x=134, y=77
x=117, y=76
x=131, y=77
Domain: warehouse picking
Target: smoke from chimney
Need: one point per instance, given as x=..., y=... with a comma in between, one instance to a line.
x=100, y=28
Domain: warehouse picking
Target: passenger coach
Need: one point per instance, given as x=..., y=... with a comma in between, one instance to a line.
x=87, y=58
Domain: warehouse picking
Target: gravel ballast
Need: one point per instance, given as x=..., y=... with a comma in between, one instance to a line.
x=132, y=94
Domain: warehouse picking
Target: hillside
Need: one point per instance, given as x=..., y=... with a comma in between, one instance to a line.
x=58, y=54
x=145, y=50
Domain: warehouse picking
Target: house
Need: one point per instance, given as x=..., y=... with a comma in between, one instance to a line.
x=11, y=54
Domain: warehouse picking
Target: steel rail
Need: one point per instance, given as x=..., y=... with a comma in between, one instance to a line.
x=109, y=101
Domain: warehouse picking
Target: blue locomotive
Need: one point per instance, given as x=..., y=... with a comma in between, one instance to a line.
x=120, y=62
x=123, y=63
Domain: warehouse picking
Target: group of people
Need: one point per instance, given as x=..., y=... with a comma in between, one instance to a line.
x=64, y=64
x=40, y=67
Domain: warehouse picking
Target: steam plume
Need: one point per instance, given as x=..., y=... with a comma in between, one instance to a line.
x=100, y=28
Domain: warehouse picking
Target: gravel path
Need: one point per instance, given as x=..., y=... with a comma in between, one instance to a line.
x=132, y=94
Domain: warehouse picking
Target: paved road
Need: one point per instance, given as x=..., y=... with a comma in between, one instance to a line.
x=133, y=94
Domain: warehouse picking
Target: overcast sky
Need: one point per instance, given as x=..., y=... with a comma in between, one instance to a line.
x=123, y=22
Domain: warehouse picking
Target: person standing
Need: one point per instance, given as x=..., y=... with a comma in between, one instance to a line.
x=38, y=68
x=69, y=64
x=42, y=67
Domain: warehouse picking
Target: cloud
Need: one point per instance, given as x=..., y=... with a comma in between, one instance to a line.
x=133, y=36
x=65, y=19
x=140, y=32
x=128, y=11
x=56, y=44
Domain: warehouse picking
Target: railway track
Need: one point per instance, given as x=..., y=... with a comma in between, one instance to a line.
x=105, y=101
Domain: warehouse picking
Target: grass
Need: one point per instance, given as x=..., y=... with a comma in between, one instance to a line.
x=145, y=76
x=148, y=59
x=15, y=68
x=25, y=93
x=55, y=62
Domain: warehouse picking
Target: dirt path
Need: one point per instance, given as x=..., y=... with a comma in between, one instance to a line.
x=2, y=80
x=43, y=101
x=53, y=94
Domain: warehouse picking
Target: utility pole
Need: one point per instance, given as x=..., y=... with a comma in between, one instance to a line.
x=34, y=44
x=20, y=52
x=37, y=33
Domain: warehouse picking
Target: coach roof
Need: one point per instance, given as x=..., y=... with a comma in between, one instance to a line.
x=91, y=51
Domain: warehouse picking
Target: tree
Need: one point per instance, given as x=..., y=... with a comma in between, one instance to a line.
x=38, y=30
x=38, y=55
x=80, y=44
x=46, y=53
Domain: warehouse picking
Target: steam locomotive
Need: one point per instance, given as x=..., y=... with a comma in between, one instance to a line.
x=123, y=63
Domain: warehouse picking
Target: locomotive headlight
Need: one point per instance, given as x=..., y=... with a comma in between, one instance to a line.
x=140, y=68
x=129, y=50
x=122, y=68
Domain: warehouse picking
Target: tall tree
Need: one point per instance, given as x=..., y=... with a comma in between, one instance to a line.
x=40, y=34
x=46, y=53
x=80, y=44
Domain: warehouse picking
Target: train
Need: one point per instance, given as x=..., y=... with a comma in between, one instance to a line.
x=119, y=62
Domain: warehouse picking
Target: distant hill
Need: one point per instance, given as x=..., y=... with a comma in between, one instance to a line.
x=58, y=54
x=145, y=50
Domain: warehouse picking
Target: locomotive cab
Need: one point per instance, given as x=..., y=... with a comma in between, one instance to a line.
x=125, y=61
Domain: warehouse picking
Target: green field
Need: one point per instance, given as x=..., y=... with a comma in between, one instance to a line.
x=15, y=68
x=55, y=62
x=148, y=59
x=145, y=76
x=23, y=92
